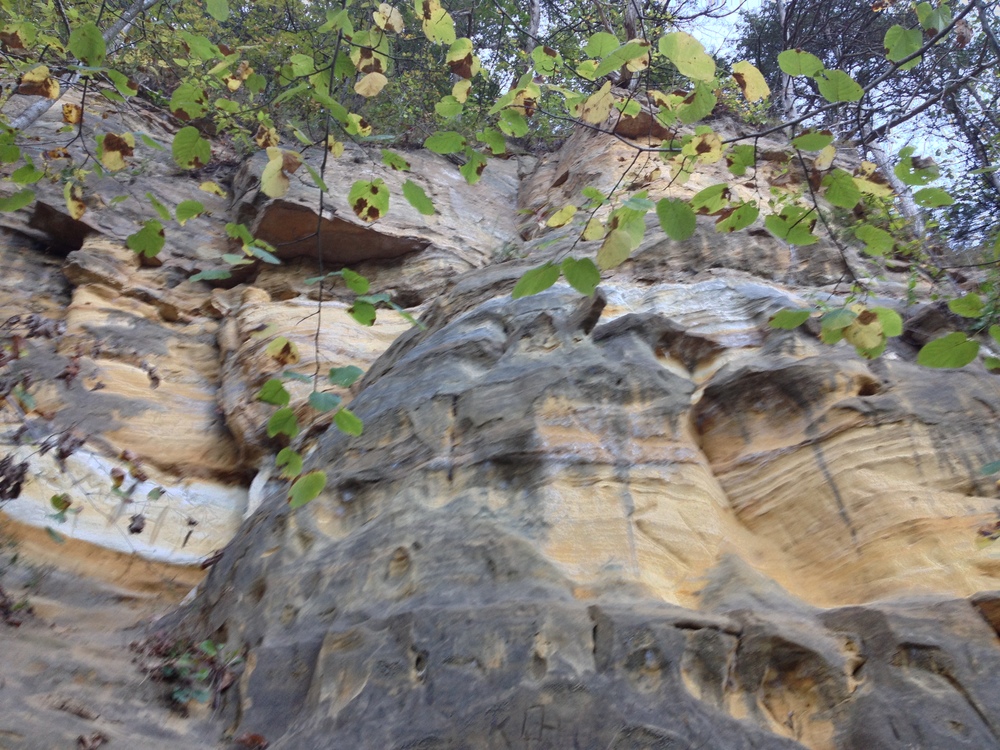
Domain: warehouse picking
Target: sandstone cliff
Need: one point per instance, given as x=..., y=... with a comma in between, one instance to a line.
x=641, y=519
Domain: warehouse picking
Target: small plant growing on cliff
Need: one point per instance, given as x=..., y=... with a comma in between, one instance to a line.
x=195, y=672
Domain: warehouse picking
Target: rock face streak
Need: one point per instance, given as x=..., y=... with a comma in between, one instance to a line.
x=638, y=520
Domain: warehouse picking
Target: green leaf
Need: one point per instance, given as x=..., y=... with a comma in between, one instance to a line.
x=837, y=86
x=744, y=215
x=121, y=82
x=877, y=241
x=369, y=200
x=217, y=9
x=290, y=463
x=900, y=43
x=615, y=250
x=306, y=488
x=796, y=62
x=688, y=56
x=283, y=422
x=324, y=402
x=995, y=332
x=932, y=197
x=189, y=101
x=346, y=421
x=838, y=319
x=190, y=150
x=969, y=306
x=546, y=60
x=712, y=199
x=87, y=44
x=991, y=468
x=513, y=123
x=793, y=225
x=698, y=105
x=493, y=139
x=933, y=18
x=915, y=171
x=677, y=218
x=473, y=169
x=600, y=44
x=892, y=323
x=187, y=210
x=813, y=140
x=162, y=211
x=148, y=241
x=788, y=319
x=363, y=312
x=211, y=274
x=841, y=189
x=354, y=281
x=17, y=201
x=273, y=392
x=536, y=280
x=951, y=351
x=417, y=198
x=345, y=376
x=445, y=142
x=581, y=274
x=27, y=175
x=394, y=161
x=741, y=158
x=317, y=180
x=622, y=55
x=151, y=143
x=448, y=107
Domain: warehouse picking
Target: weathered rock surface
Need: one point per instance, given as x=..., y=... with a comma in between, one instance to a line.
x=642, y=519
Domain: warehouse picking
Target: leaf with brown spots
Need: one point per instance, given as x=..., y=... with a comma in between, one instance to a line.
x=72, y=114
x=369, y=200
x=38, y=82
x=114, y=149
x=266, y=137
x=388, y=18
x=73, y=194
x=283, y=351
x=460, y=58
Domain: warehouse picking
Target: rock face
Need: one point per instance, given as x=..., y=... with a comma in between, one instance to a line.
x=643, y=519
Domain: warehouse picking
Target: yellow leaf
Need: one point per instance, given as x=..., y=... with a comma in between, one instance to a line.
x=615, y=250
x=461, y=90
x=266, y=137
x=211, y=187
x=273, y=180
x=707, y=148
x=750, y=81
x=597, y=107
x=38, y=82
x=336, y=147
x=388, y=19
x=562, y=217
x=72, y=113
x=114, y=149
x=638, y=64
x=824, y=159
x=371, y=84
x=865, y=332
x=868, y=180
x=593, y=231
x=74, y=200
